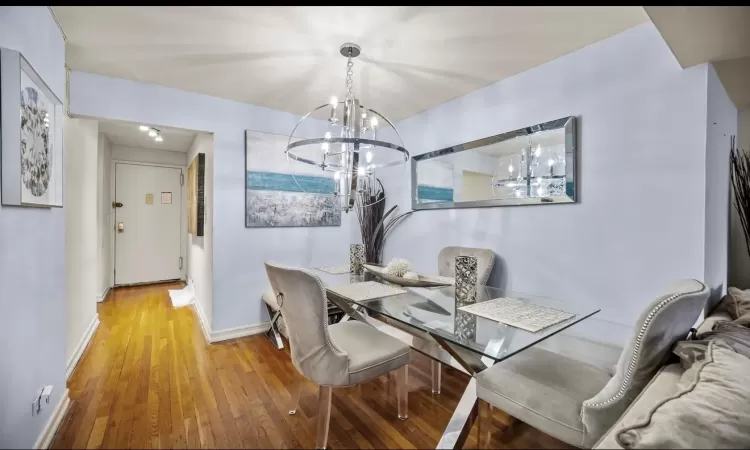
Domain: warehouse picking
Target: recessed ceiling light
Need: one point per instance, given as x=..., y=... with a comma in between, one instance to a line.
x=152, y=132
x=158, y=138
x=143, y=128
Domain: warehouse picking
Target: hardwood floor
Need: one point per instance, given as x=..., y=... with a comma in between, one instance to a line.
x=148, y=379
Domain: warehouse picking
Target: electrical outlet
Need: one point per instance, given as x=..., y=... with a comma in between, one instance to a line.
x=42, y=394
x=46, y=392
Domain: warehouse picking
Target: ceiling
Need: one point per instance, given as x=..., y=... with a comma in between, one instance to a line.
x=127, y=134
x=287, y=58
x=720, y=34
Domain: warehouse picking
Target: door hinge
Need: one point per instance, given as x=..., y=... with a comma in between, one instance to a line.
x=182, y=179
x=180, y=262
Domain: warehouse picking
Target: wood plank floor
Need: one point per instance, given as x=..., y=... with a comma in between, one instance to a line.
x=148, y=379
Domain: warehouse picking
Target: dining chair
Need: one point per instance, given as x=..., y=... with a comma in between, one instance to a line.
x=344, y=354
x=577, y=402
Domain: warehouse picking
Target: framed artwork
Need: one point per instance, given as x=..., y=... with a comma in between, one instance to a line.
x=31, y=140
x=196, y=194
x=283, y=194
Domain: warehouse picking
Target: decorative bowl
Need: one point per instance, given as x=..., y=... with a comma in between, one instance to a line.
x=423, y=281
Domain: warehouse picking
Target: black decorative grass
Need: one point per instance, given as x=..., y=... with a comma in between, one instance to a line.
x=374, y=221
x=740, y=168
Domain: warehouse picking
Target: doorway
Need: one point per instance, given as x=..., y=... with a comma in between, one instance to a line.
x=147, y=218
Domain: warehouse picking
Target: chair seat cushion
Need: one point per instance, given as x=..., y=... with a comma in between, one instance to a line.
x=544, y=389
x=371, y=352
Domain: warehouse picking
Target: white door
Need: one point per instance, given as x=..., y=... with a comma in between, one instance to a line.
x=147, y=226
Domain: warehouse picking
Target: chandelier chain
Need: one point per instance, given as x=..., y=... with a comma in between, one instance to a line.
x=349, y=73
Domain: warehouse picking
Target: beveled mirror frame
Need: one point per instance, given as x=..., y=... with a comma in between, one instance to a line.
x=571, y=161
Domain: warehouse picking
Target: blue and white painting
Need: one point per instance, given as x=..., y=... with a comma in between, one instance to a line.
x=280, y=193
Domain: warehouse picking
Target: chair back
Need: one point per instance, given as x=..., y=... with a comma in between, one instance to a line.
x=485, y=261
x=304, y=306
x=665, y=321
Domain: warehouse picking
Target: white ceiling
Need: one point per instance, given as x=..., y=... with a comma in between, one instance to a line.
x=720, y=34
x=287, y=58
x=127, y=134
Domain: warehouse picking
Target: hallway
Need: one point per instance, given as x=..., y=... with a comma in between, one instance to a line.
x=149, y=380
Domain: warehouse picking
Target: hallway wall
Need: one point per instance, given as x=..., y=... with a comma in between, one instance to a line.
x=105, y=224
x=32, y=260
x=81, y=234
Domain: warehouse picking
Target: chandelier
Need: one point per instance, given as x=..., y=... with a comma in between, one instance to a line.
x=346, y=142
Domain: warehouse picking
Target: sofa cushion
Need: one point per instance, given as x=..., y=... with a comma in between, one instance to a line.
x=736, y=336
x=710, y=410
x=661, y=387
x=737, y=304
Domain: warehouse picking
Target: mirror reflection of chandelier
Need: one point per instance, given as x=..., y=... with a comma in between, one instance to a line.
x=347, y=141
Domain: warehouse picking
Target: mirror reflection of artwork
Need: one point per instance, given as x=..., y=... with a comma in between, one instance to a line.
x=533, y=165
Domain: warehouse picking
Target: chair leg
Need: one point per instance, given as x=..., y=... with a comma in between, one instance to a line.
x=402, y=391
x=484, y=424
x=324, y=416
x=436, y=368
x=297, y=394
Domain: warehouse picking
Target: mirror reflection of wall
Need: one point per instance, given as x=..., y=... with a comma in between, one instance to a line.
x=521, y=167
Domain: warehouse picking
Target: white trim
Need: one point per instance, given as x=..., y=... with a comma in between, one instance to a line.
x=100, y=298
x=55, y=419
x=226, y=334
x=238, y=332
x=81, y=347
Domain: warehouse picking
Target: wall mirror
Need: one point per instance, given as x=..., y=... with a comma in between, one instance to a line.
x=530, y=166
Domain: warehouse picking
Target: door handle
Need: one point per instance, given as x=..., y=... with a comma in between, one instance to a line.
x=116, y=204
x=120, y=227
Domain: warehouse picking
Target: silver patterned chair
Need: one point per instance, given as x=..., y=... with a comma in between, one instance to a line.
x=576, y=402
x=344, y=354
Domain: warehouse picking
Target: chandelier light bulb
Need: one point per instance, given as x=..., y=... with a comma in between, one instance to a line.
x=324, y=147
x=538, y=151
x=337, y=176
x=328, y=135
x=360, y=171
x=143, y=128
x=510, y=168
x=334, y=101
x=374, y=122
x=368, y=157
x=152, y=132
x=550, y=162
x=158, y=138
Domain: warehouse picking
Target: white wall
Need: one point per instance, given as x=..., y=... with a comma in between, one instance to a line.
x=721, y=124
x=739, y=261
x=32, y=260
x=238, y=252
x=200, y=248
x=81, y=234
x=148, y=155
x=104, y=215
x=639, y=224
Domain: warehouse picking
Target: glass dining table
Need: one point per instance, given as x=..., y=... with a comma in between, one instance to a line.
x=428, y=319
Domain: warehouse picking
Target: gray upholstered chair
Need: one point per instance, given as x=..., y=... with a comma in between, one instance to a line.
x=575, y=402
x=344, y=354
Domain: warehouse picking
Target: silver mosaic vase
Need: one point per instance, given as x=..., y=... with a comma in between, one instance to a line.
x=466, y=279
x=356, y=259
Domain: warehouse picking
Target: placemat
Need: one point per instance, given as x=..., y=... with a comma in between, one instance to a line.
x=518, y=313
x=335, y=270
x=365, y=290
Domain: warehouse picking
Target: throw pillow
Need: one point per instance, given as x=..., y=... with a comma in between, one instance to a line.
x=710, y=410
x=739, y=305
x=734, y=335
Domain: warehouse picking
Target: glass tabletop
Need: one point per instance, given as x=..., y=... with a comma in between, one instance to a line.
x=435, y=311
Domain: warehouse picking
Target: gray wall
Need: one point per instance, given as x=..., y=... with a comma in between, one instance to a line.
x=239, y=277
x=739, y=261
x=640, y=221
x=32, y=260
x=721, y=124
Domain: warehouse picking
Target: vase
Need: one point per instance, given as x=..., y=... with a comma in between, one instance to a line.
x=466, y=279
x=356, y=259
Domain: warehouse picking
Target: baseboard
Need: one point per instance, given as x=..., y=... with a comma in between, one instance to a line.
x=55, y=419
x=81, y=347
x=103, y=296
x=238, y=332
x=205, y=326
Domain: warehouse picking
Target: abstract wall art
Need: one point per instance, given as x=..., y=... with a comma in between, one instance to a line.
x=196, y=194
x=32, y=145
x=280, y=193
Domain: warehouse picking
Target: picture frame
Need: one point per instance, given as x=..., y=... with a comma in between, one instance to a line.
x=196, y=195
x=31, y=143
